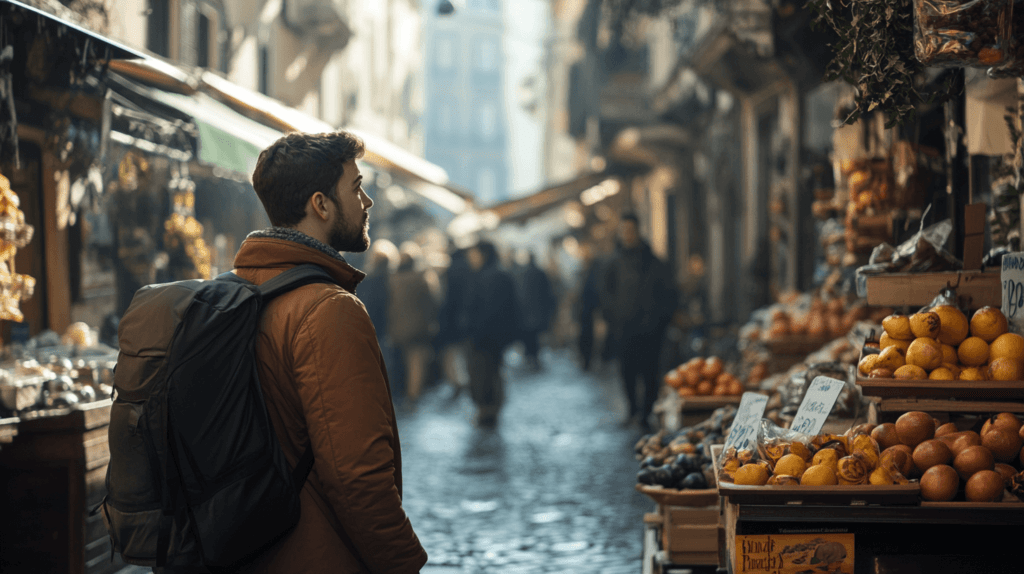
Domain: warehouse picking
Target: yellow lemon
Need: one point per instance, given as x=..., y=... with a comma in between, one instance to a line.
x=818, y=475
x=791, y=464
x=925, y=353
x=973, y=374
x=988, y=323
x=898, y=327
x=885, y=341
x=973, y=352
x=751, y=474
x=867, y=364
x=926, y=324
x=828, y=457
x=942, y=374
x=954, y=324
x=1006, y=369
x=910, y=372
x=949, y=354
x=890, y=358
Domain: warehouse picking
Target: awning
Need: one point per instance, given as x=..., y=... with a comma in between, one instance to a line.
x=227, y=139
x=588, y=189
x=116, y=49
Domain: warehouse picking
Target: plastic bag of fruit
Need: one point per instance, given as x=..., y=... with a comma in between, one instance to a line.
x=955, y=33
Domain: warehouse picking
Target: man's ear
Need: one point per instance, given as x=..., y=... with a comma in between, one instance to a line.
x=317, y=206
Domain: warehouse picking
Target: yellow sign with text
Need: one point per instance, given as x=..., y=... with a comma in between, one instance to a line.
x=812, y=553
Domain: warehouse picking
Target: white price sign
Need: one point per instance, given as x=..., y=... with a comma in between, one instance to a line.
x=743, y=432
x=818, y=402
x=1012, y=278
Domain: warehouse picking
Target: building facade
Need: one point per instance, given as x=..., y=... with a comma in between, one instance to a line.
x=464, y=121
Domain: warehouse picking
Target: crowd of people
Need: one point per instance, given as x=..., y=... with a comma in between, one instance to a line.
x=453, y=323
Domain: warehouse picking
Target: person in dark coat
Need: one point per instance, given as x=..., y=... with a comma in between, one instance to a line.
x=412, y=317
x=374, y=292
x=491, y=325
x=537, y=303
x=640, y=298
x=588, y=302
x=451, y=336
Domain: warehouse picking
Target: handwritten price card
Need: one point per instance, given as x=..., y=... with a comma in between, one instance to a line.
x=794, y=553
x=743, y=432
x=1012, y=278
x=818, y=402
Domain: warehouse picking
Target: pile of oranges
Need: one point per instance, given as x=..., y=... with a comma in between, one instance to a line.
x=703, y=377
x=941, y=344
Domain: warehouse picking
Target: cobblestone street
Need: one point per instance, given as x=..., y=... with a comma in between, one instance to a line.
x=549, y=490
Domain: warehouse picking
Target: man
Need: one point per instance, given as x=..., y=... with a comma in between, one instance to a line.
x=320, y=365
x=639, y=299
x=537, y=303
x=492, y=324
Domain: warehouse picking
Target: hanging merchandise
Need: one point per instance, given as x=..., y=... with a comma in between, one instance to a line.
x=189, y=255
x=958, y=33
x=1013, y=67
x=14, y=234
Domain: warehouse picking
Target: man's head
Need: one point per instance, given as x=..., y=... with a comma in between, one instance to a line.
x=311, y=182
x=629, y=231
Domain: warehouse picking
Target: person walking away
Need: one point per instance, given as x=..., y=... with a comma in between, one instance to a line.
x=374, y=292
x=537, y=304
x=412, y=316
x=492, y=312
x=641, y=299
x=320, y=366
x=451, y=337
x=587, y=304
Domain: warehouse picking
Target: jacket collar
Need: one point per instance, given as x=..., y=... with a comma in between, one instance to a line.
x=282, y=248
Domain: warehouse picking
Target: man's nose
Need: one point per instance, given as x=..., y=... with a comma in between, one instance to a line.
x=367, y=202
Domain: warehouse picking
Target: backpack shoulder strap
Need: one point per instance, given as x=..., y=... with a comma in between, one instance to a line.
x=294, y=278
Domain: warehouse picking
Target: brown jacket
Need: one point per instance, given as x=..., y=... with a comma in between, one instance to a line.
x=325, y=384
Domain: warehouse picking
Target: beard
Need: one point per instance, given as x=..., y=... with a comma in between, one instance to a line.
x=348, y=238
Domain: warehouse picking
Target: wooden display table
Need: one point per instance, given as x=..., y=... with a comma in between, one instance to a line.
x=52, y=474
x=974, y=288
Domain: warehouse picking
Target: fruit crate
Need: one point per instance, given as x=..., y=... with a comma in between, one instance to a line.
x=838, y=495
x=974, y=289
x=902, y=395
x=691, y=536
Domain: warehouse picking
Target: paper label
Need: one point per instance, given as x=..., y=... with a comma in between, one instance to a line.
x=1011, y=277
x=743, y=432
x=794, y=553
x=818, y=402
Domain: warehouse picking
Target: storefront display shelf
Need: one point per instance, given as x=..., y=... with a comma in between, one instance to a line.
x=967, y=390
x=864, y=494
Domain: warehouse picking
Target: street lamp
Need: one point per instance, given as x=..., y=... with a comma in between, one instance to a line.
x=445, y=8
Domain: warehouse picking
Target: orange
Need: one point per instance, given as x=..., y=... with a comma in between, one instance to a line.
x=890, y=358
x=828, y=457
x=887, y=341
x=751, y=474
x=988, y=323
x=1006, y=369
x=973, y=374
x=954, y=324
x=949, y=354
x=867, y=364
x=925, y=324
x=973, y=352
x=924, y=352
x=1007, y=345
x=818, y=475
x=953, y=368
x=791, y=464
x=910, y=372
x=941, y=374
x=898, y=327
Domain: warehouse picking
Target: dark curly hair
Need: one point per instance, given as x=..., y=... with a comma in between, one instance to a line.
x=298, y=165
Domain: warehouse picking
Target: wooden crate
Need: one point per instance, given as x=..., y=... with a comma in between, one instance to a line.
x=53, y=473
x=974, y=288
x=691, y=535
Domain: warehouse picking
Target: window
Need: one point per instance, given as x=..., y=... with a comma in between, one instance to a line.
x=446, y=119
x=445, y=52
x=158, y=36
x=486, y=184
x=487, y=55
x=488, y=121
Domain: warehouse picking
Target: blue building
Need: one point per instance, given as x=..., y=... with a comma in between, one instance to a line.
x=465, y=130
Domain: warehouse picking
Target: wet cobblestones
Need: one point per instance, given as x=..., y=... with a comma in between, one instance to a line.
x=550, y=489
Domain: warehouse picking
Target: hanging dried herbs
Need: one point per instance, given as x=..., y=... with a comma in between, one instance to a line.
x=874, y=52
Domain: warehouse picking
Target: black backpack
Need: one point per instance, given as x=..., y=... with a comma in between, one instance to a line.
x=197, y=477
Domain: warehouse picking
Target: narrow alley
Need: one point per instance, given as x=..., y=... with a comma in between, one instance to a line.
x=549, y=490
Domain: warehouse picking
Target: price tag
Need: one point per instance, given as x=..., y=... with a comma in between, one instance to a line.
x=818, y=402
x=743, y=432
x=1012, y=277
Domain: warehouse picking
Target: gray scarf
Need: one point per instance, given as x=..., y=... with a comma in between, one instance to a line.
x=299, y=237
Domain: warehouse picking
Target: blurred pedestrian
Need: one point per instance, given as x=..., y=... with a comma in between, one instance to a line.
x=536, y=302
x=588, y=302
x=412, y=317
x=374, y=292
x=491, y=316
x=641, y=299
x=451, y=324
